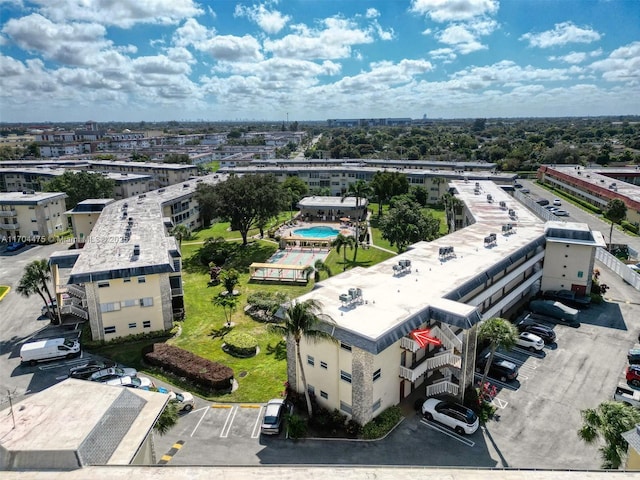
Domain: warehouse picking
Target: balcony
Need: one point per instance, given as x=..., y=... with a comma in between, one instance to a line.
x=76, y=291
x=7, y=213
x=177, y=292
x=10, y=226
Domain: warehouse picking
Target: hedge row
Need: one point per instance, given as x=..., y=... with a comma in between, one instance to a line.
x=630, y=227
x=204, y=373
x=382, y=424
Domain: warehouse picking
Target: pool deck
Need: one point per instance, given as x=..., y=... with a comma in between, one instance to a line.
x=288, y=229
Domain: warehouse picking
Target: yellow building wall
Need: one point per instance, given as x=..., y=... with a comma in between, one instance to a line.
x=568, y=260
x=82, y=224
x=633, y=459
x=123, y=293
x=387, y=387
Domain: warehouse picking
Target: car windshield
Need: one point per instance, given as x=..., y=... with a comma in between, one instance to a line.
x=135, y=381
x=68, y=343
x=270, y=419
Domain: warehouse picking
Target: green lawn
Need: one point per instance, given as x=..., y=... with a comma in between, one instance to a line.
x=221, y=229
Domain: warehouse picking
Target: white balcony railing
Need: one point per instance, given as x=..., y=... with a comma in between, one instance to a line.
x=9, y=226
x=73, y=310
x=438, y=361
x=442, y=386
x=76, y=291
x=8, y=213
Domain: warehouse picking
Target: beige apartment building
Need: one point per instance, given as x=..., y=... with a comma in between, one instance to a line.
x=32, y=216
x=127, y=278
x=486, y=269
x=162, y=174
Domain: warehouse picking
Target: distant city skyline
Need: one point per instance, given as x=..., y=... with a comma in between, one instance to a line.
x=306, y=60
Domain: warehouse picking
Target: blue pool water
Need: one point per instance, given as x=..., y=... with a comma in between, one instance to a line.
x=316, y=232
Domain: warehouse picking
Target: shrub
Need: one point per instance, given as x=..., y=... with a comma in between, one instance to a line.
x=208, y=375
x=240, y=344
x=296, y=425
x=486, y=412
x=630, y=227
x=353, y=428
x=383, y=423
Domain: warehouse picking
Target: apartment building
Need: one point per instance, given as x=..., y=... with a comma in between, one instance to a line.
x=337, y=178
x=19, y=179
x=597, y=185
x=84, y=216
x=31, y=216
x=127, y=278
x=162, y=174
x=484, y=270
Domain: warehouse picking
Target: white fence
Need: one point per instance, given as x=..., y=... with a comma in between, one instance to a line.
x=619, y=268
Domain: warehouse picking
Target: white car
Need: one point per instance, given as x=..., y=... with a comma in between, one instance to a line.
x=560, y=213
x=635, y=267
x=453, y=415
x=112, y=373
x=133, y=382
x=530, y=341
x=557, y=202
x=184, y=400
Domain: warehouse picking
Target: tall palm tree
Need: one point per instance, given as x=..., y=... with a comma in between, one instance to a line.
x=615, y=212
x=318, y=267
x=167, y=419
x=39, y=272
x=181, y=232
x=359, y=189
x=301, y=319
x=501, y=334
x=609, y=421
x=28, y=286
x=228, y=303
x=341, y=242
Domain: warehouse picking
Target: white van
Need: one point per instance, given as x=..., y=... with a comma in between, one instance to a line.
x=49, y=349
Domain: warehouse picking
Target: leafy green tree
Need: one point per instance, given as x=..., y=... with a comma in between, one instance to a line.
x=177, y=158
x=301, y=320
x=228, y=304
x=361, y=190
x=318, y=267
x=244, y=201
x=229, y=279
x=167, y=419
x=608, y=422
x=387, y=185
x=342, y=242
x=405, y=224
x=501, y=334
x=80, y=186
x=615, y=212
x=297, y=189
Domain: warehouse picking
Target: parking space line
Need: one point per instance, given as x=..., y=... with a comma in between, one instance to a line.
x=455, y=436
x=535, y=354
x=204, y=414
x=256, y=427
x=228, y=422
x=498, y=403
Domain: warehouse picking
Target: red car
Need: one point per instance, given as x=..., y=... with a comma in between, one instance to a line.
x=633, y=375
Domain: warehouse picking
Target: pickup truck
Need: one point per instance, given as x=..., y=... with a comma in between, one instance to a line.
x=628, y=395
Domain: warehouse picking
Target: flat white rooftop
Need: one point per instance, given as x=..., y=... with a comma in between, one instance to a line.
x=330, y=202
x=16, y=198
x=600, y=177
x=392, y=299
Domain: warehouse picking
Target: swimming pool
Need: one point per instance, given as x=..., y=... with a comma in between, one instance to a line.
x=316, y=232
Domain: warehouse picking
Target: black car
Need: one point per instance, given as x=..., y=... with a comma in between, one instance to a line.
x=544, y=332
x=500, y=369
x=568, y=297
x=85, y=371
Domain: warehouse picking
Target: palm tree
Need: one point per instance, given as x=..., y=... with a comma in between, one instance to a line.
x=615, y=212
x=34, y=281
x=501, y=334
x=609, y=421
x=342, y=242
x=301, y=319
x=228, y=303
x=181, y=232
x=316, y=269
x=167, y=419
x=359, y=189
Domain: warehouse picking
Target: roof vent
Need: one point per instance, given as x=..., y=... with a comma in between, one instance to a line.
x=446, y=252
x=403, y=266
x=352, y=298
x=136, y=250
x=490, y=240
x=507, y=229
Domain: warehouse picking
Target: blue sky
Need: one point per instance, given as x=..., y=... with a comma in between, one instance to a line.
x=154, y=60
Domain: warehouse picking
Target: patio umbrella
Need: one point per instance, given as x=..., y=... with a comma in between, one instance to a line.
x=345, y=219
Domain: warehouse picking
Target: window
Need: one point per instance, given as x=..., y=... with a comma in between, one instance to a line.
x=141, y=280
x=133, y=325
x=109, y=307
x=323, y=365
x=146, y=324
x=346, y=347
x=126, y=280
x=103, y=284
x=108, y=330
x=310, y=360
x=345, y=376
x=146, y=302
x=324, y=395
x=311, y=389
x=376, y=405
x=345, y=407
x=377, y=374
x=128, y=303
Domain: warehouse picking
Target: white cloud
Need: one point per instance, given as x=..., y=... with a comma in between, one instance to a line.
x=445, y=54
x=333, y=41
x=70, y=44
x=231, y=48
x=121, y=13
x=191, y=33
x=271, y=21
x=622, y=65
x=372, y=13
x=503, y=73
x=562, y=34
x=454, y=10
x=460, y=38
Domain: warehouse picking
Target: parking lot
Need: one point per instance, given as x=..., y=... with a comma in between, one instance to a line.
x=535, y=426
